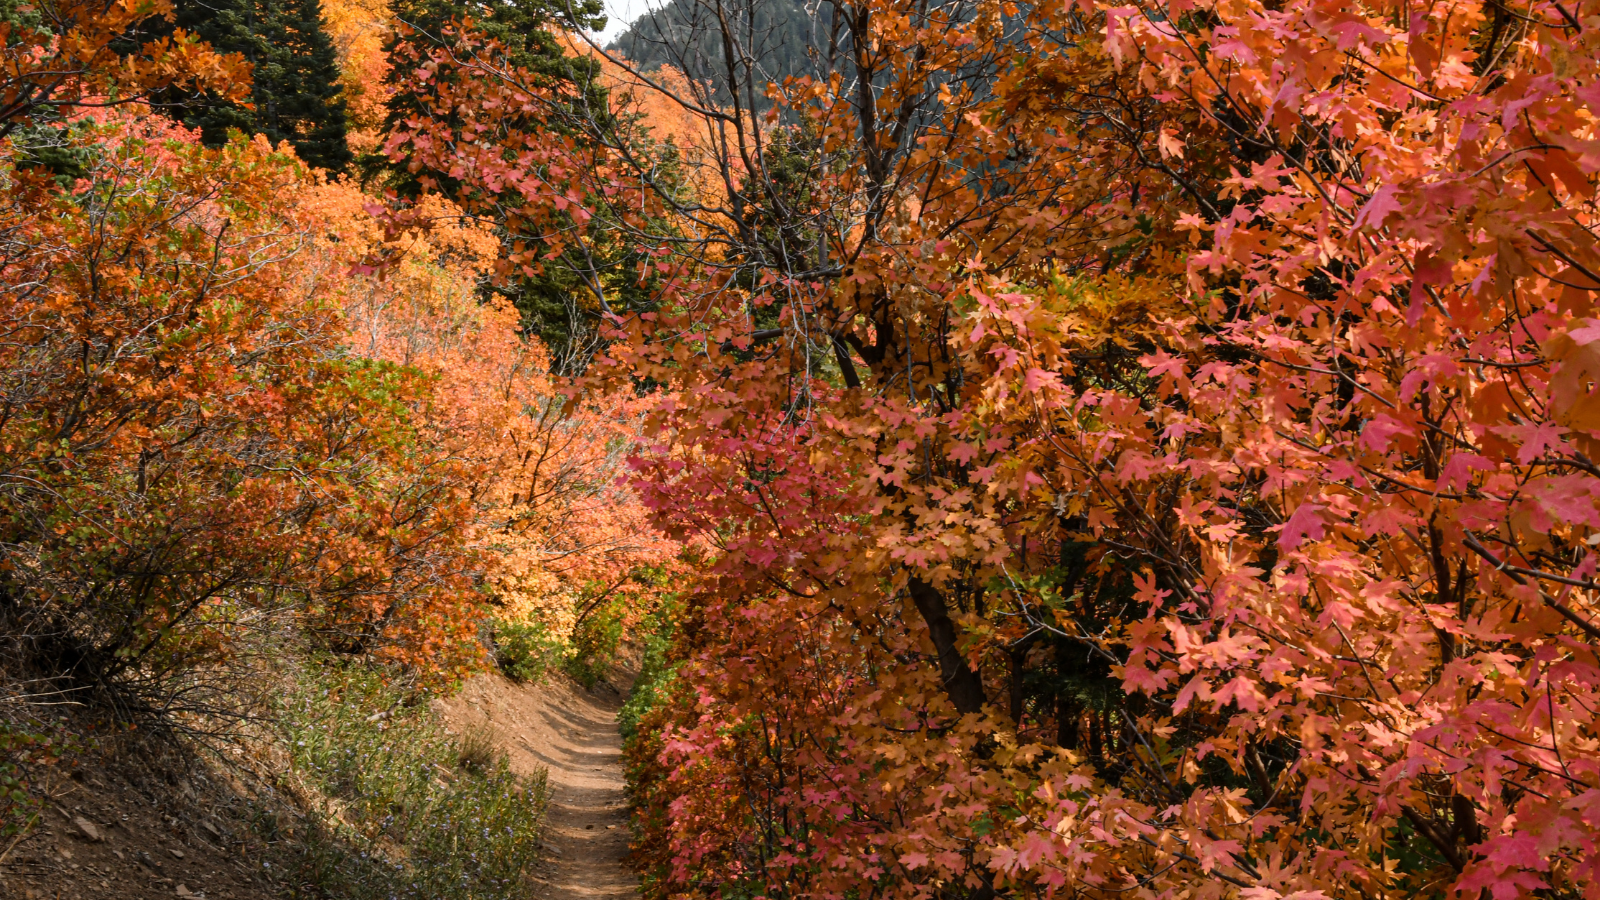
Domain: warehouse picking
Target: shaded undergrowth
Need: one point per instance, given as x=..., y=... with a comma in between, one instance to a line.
x=396, y=807
x=526, y=651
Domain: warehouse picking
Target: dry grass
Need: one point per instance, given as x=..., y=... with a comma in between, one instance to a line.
x=477, y=750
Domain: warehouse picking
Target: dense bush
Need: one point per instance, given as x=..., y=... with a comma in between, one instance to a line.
x=525, y=651
x=189, y=446
x=656, y=670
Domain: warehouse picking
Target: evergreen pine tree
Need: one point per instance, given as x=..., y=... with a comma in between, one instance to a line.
x=296, y=92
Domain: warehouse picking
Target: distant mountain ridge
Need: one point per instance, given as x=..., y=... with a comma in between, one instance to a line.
x=686, y=34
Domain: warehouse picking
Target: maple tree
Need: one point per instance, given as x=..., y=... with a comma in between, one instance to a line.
x=64, y=57
x=188, y=446
x=552, y=519
x=216, y=419
x=1145, y=451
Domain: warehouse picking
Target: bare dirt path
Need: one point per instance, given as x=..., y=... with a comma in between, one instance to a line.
x=571, y=732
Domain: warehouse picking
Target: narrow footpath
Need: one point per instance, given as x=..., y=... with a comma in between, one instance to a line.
x=572, y=733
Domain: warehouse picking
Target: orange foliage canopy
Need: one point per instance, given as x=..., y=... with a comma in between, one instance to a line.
x=68, y=60
x=213, y=421
x=190, y=447
x=554, y=518
x=359, y=29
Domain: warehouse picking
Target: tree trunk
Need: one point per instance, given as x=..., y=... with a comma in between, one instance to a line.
x=1068, y=710
x=962, y=684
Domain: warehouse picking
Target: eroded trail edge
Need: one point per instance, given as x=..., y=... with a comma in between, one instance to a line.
x=572, y=733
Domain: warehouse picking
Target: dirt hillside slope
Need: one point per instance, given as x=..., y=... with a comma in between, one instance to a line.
x=571, y=732
x=131, y=832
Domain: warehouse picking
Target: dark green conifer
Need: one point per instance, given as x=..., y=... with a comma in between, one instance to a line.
x=296, y=91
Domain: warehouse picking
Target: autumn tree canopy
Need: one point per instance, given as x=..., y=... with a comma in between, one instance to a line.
x=1141, y=450
x=1145, y=447
x=223, y=426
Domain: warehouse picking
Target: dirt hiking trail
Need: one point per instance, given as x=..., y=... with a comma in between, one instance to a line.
x=571, y=732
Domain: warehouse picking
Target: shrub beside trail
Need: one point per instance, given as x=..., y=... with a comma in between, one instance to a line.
x=396, y=807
